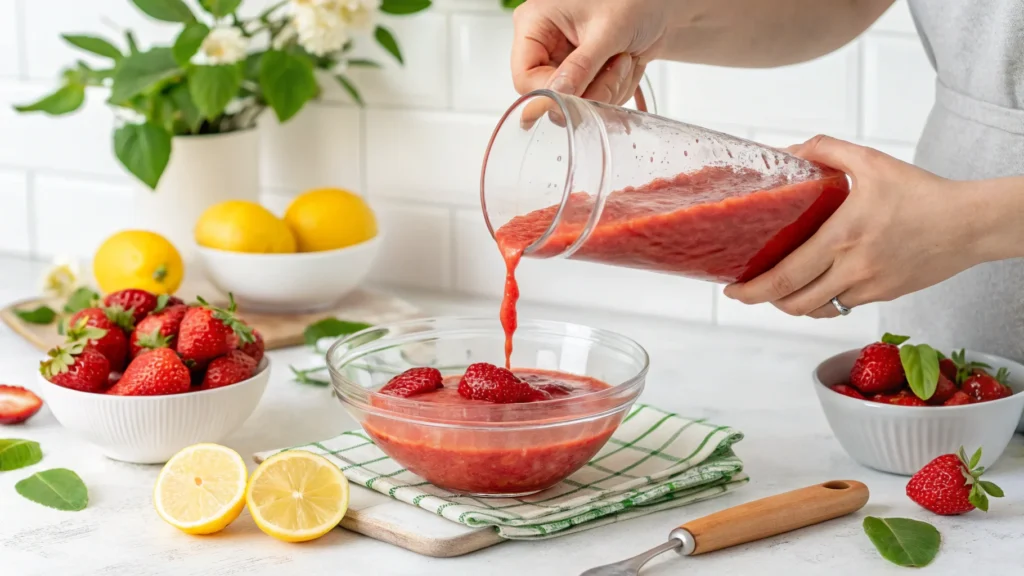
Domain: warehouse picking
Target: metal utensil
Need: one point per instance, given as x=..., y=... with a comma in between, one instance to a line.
x=751, y=521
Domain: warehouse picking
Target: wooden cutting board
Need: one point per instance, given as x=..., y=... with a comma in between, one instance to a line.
x=381, y=518
x=278, y=330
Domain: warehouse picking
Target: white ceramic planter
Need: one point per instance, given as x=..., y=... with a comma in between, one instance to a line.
x=203, y=171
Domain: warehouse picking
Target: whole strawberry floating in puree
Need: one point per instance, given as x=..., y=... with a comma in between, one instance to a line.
x=878, y=368
x=76, y=366
x=847, y=390
x=153, y=373
x=983, y=387
x=207, y=332
x=95, y=326
x=231, y=368
x=158, y=330
x=483, y=381
x=139, y=302
x=413, y=381
x=950, y=485
x=17, y=404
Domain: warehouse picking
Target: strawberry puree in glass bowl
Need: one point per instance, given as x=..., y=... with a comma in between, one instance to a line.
x=479, y=447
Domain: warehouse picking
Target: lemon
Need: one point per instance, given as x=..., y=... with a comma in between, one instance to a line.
x=138, y=259
x=201, y=489
x=242, y=226
x=297, y=496
x=330, y=218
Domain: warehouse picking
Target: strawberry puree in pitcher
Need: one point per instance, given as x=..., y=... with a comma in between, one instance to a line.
x=720, y=224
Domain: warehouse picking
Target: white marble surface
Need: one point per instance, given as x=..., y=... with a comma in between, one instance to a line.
x=756, y=382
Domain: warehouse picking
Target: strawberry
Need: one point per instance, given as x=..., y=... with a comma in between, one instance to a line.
x=139, y=302
x=553, y=388
x=950, y=485
x=944, y=389
x=907, y=400
x=878, y=368
x=483, y=381
x=256, y=347
x=964, y=369
x=207, y=332
x=960, y=398
x=17, y=404
x=153, y=373
x=76, y=366
x=948, y=368
x=158, y=330
x=412, y=382
x=847, y=390
x=95, y=326
x=983, y=387
x=231, y=368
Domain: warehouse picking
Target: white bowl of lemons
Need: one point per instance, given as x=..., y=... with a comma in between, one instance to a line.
x=321, y=250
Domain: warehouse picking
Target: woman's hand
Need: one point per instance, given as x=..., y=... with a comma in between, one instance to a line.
x=597, y=49
x=901, y=229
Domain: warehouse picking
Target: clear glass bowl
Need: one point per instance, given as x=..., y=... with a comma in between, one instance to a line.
x=481, y=448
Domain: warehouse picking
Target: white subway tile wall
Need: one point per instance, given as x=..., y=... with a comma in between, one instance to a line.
x=415, y=149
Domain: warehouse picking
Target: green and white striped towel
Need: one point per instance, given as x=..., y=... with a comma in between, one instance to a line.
x=654, y=461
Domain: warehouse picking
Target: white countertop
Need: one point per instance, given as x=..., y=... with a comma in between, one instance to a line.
x=756, y=382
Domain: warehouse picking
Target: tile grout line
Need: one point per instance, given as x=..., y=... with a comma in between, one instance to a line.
x=20, y=28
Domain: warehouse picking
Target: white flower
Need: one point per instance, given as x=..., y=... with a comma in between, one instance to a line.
x=223, y=45
x=359, y=14
x=61, y=279
x=286, y=35
x=323, y=26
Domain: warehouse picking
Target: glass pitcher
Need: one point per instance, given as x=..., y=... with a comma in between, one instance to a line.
x=571, y=178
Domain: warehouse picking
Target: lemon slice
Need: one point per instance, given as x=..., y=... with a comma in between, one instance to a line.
x=297, y=496
x=201, y=489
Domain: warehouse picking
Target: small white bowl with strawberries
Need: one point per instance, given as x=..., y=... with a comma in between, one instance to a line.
x=896, y=405
x=142, y=376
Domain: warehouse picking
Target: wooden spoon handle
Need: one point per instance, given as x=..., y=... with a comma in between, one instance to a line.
x=776, y=515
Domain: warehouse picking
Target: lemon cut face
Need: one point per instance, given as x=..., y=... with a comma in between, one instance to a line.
x=297, y=496
x=201, y=489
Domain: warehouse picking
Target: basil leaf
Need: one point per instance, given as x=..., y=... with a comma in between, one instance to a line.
x=902, y=541
x=16, y=453
x=921, y=364
x=40, y=315
x=95, y=45
x=288, y=82
x=144, y=149
x=189, y=41
x=212, y=87
x=166, y=10
x=140, y=72
x=387, y=41
x=58, y=488
x=894, y=339
x=331, y=328
x=403, y=6
x=65, y=100
x=81, y=299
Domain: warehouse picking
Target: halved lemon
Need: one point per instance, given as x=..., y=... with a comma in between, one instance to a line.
x=201, y=489
x=297, y=496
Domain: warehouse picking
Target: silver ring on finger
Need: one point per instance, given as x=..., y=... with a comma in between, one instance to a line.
x=843, y=310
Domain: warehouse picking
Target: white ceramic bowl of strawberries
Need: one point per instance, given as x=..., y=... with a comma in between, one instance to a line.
x=901, y=439
x=143, y=384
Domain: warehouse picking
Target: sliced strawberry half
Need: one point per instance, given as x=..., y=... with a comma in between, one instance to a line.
x=414, y=381
x=17, y=404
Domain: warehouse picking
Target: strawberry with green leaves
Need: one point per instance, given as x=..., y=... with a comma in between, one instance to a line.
x=138, y=302
x=77, y=366
x=158, y=330
x=154, y=373
x=951, y=484
x=207, y=332
x=95, y=327
x=878, y=368
x=983, y=387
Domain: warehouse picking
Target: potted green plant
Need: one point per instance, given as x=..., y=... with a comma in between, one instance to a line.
x=201, y=96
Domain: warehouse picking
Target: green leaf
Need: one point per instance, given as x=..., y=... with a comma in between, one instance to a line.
x=144, y=149
x=188, y=113
x=16, y=453
x=921, y=365
x=133, y=46
x=67, y=98
x=991, y=488
x=894, y=339
x=978, y=498
x=140, y=72
x=161, y=302
x=58, y=488
x=189, y=41
x=288, y=82
x=974, y=459
x=331, y=328
x=350, y=88
x=212, y=87
x=95, y=45
x=403, y=6
x=220, y=8
x=40, y=315
x=362, y=63
x=902, y=541
x=511, y=3
x=81, y=299
x=166, y=10
x=387, y=40
x=303, y=376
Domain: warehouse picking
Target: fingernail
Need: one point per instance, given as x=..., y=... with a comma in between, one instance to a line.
x=562, y=85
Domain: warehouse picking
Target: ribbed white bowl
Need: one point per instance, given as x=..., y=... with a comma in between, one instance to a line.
x=902, y=439
x=151, y=429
